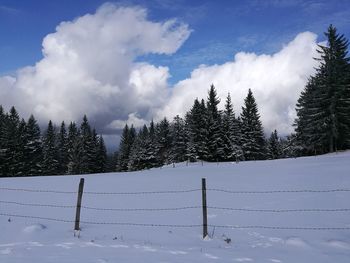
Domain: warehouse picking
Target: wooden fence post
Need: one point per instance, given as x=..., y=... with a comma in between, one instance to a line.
x=204, y=205
x=77, y=214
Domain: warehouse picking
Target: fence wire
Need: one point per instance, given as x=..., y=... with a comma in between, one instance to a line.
x=225, y=191
x=36, y=204
x=180, y=191
x=281, y=210
x=180, y=208
x=178, y=225
x=278, y=191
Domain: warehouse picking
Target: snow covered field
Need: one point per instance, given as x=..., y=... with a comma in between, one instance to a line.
x=40, y=240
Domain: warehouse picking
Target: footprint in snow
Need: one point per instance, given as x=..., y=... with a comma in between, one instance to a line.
x=119, y=246
x=178, y=252
x=244, y=259
x=275, y=260
x=210, y=256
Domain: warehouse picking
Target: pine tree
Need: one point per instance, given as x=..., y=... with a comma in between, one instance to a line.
x=126, y=142
x=74, y=150
x=274, y=146
x=101, y=161
x=323, y=109
x=164, y=140
x=215, y=142
x=231, y=134
x=152, y=147
x=178, y=143
x=10, y=137
x=62, y=146
x=87, y=147
x=50, y=152
x=138, y=155
x=20, y=155
x=2, y=141
x=253, y=136
x=33, y=148
x=196, y=130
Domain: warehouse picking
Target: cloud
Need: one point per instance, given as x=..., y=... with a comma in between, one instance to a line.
x=89, y=67
x=276, y=81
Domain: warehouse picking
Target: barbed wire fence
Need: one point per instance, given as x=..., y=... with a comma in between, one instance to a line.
x=201, y=208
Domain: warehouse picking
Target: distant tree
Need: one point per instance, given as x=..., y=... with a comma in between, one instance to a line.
x=164, y=141
x=101, y=161
x=50, y=153
x=126, y=142
x=20, y=156
x=178, y=143
x=196, y=130
x=138, y=158
x=2, y=141
x=75, y=153
x=10, y=137
x=215, y=142
x=252, y=131
x=62, y=146
x=87, y=147
x=231, y=133
x=274, y=146
x=33, y=148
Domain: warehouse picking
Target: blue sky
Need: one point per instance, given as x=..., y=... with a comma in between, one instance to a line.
x=129, y=62
x=219, y=28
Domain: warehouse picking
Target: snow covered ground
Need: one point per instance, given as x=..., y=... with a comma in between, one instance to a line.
x=40, y=240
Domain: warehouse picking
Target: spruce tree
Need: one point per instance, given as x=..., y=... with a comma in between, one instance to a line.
x=10, y=136
x=215, y=142
x=126, y=142
x=87, y=147
x=62, y=145
x=253, y=137
x=138, y=155
x=74, y=150
x=2, y=141
x=231, y=133
x=323, y=109
x=164, y=140
x=50, y=153
x=178, y=143
x=152, y=147
x=33, y=148
x=197, y=131
x=101, y=160
x=20, y=154
x=274, y=146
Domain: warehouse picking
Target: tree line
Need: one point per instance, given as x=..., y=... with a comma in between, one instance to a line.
x=206, y=133
x=25, y=151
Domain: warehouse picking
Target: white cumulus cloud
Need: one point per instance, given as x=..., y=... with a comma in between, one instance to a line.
x=276, y=81
x=89, y=67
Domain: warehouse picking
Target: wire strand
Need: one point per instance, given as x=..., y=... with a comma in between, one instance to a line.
x=38, y=205
x=278, y=191
x=281, y=210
